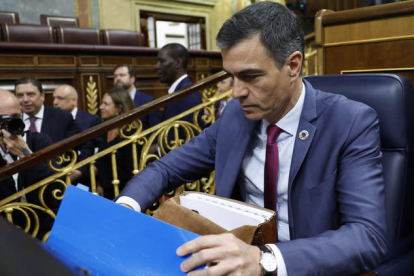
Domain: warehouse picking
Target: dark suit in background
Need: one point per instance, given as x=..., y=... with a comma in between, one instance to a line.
x=182, y=105
x=85, y=121
x=151, y=119
x=59, y=125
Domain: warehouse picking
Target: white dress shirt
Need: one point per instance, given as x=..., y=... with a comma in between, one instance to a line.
x=132, y=93
x=175, y=84
x=39, y=119
x=74, y=112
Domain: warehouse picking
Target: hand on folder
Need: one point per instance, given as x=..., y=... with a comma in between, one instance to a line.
x=226, y=254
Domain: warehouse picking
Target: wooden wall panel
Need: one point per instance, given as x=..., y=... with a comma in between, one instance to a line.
x=370, y=30
x=389, y=54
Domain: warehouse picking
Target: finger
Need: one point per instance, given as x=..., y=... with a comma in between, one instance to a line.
x=203, y=242
x=203, y=257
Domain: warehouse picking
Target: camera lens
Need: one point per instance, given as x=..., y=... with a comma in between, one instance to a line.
x=15, y=126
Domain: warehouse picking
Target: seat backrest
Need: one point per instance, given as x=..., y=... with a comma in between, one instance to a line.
x=72, y=35
x=392, y=98
x=121, y=38
x=9, y=17
x=27, y=33
x=57, y=20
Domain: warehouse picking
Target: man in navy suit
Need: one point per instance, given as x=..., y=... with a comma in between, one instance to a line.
x=172, y=70
x=125, y=76
x=55, y=123
x=330, y=190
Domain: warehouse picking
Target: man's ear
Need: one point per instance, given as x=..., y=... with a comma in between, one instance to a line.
x=294, y=63
x=179, y=63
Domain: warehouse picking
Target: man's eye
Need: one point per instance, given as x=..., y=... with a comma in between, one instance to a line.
x=249, y=77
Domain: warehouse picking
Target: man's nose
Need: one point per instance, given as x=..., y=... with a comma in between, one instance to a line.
x=239, y=89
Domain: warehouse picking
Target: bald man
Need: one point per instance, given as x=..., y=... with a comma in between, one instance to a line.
x=14, y=147
x=66, y=97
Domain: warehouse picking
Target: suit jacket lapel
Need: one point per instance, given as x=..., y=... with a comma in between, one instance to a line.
x=235, y=157
x=45, y=120
x=301, y=146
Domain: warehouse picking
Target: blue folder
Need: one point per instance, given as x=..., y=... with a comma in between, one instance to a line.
x=95, y=235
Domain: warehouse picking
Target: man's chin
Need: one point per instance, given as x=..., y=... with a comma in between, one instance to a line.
x=252, y=116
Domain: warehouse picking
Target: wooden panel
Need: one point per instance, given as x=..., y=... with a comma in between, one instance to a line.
x=114, y=60
x=89, y=61
x=191, y=63
x=216, y=63
x=391, y=54
x=148, y=62
x=370, y=30
x=202, y=62
x=17, y=60
x=66, y=61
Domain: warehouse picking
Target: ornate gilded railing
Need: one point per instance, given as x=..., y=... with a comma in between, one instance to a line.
x=63, y=159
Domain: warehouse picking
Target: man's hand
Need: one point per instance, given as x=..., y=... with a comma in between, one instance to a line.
x=15, y=144
x=226, y=255
x=75, y=176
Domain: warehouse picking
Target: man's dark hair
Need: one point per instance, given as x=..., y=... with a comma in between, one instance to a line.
x=177, y=51
x=27, y=80
x=278, y=27
x=131, y=69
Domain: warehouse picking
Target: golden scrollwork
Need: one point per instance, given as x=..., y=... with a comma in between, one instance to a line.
x=209, y=93
x=92, y=96
x=26, y=216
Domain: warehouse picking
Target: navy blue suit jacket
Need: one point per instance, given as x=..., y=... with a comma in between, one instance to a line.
x=85, y=121
x=336, y=190
x=151, y=119
x=182, y=105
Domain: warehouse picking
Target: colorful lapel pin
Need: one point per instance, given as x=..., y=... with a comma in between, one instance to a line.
x=303, y=135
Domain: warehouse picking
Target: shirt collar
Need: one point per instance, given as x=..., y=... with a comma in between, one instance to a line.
x=132, y=93
x=39, y=114
x=175, y=84
x=74, y=112
x=290, y=122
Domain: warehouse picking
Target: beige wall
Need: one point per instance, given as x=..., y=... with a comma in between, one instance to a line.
x=116, y=14
x=120, y=14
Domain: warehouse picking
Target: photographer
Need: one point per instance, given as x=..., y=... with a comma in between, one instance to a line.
x=15, y=144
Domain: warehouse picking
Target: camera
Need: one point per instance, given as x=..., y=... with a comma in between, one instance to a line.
x=13, y=125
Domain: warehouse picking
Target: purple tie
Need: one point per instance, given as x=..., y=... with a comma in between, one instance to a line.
x=271, y=168
x=32, y=127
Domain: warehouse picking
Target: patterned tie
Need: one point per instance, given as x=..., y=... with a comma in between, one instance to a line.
x=271, y=168
x=32, y=127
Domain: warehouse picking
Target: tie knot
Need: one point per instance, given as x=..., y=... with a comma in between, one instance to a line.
x=273, y=132
x=32, y=119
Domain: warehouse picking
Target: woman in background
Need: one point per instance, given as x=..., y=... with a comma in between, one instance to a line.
x=116, y=101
